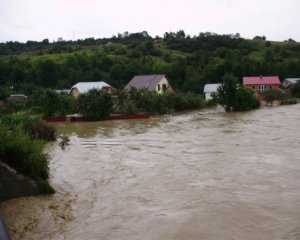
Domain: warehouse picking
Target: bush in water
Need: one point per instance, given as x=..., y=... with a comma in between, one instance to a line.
x=95, y=104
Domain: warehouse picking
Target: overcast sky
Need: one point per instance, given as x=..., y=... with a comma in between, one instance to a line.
x=22, y=20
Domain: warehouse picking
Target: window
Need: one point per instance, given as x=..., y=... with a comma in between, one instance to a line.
x=158, y=87
x=253, y=87
x=270, y=87
x=262, y=88
x=164, y=87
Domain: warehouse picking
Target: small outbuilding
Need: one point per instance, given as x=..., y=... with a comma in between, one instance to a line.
x=288, y=83
x=157, y=82
x=210, y=89
x=18, y=99
x=84, y=87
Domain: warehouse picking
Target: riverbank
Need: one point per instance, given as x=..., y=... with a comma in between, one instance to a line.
x=14, y=184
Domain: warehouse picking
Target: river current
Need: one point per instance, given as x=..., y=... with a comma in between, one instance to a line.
x=197, y=175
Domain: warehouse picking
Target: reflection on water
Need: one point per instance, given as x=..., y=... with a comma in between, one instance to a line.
x=201, y=175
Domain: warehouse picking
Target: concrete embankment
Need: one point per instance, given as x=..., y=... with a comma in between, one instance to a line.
x=14, y=184
x=3, y=231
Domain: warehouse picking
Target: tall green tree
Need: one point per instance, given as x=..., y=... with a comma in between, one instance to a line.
x=226, y=92
x=235, y=98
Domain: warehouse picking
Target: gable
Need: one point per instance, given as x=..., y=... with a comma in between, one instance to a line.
x=148, y=82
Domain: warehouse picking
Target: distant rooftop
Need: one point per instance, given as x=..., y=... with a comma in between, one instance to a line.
x=211, y=88
x=292, y=80
x=261, y=80
x=145, y=81
x=84, y=87
x=18, y=98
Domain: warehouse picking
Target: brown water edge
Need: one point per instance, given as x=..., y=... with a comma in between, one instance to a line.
x=202, y=175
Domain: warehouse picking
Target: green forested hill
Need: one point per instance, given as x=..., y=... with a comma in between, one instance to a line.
x=190, y=62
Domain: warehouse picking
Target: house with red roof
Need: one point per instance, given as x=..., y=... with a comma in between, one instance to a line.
x=261, y=83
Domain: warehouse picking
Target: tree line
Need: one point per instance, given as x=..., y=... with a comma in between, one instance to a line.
x=190, y=62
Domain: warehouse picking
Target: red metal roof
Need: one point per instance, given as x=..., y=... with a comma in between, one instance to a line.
x=274, y=80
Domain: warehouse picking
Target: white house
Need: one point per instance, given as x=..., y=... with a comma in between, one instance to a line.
x=84, y=87
x=209, y=89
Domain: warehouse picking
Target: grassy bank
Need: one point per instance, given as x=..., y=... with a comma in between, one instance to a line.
x=22, y=140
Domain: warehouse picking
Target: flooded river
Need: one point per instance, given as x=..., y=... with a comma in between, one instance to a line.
x=199, y=175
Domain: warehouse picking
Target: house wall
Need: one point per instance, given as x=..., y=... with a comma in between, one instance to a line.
x=160, y=89
x=107, y=89
x=208, y=96
x=286, y=83
x=258, y=94
x=74, y=92
x=255, y=88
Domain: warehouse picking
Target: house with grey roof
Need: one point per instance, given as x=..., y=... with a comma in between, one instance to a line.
x=84, y=87
x=156, y=82
x=288, y=83
x=209, y=89
x=18, y=99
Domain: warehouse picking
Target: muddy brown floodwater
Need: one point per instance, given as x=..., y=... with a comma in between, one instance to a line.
x=200, y=175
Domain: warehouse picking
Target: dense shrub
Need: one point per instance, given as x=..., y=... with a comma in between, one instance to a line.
x=36, y=127
x=128, y=107
x=296, y=90
x=40, y=130
x=50, y=103
x=4, y=92
x=272, y=95
x=245, y=100
x=22, y=152
x=122, y=103
x=155, y=103
x=13, y=121
x=187, y=101
x=11, y=107
x=234, y=98
x=289, y=101
x=95, y=104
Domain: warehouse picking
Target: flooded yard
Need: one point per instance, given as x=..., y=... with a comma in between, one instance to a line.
x=199, y=175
